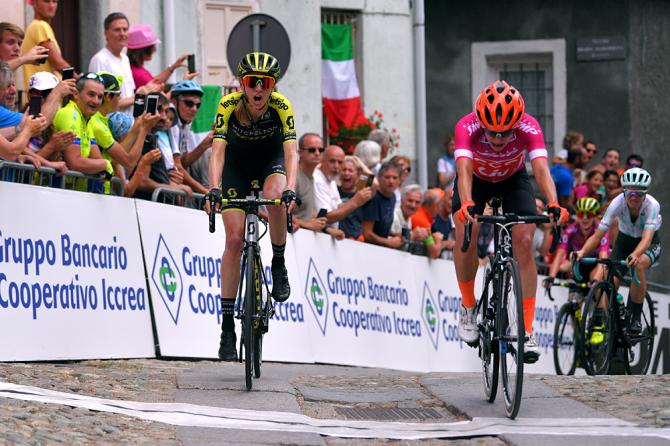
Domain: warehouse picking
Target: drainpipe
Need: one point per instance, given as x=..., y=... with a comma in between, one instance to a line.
x=420, y=93
x=168, y=34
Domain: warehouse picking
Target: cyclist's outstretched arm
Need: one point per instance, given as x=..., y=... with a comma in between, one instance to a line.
x=291, y=163
x=591, y=243
x=216, y=162
x=543, y=179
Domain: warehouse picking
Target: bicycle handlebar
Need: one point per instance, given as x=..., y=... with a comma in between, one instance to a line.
x=212, y=214
x=510, y=218
x=566, y=284
x=607, y=262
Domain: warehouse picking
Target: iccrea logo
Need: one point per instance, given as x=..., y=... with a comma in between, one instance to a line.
x=430, y=315
x=317, y=295
x=167, y=279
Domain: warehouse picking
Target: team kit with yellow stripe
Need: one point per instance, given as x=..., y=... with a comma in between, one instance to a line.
x=253, y=152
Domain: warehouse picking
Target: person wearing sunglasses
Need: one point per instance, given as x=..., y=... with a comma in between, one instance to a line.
x=254, y=145
x=128, y=153
x=83, y=155
x=192, y=152
x=639, y=217
x=491, y=145
x=574, y=237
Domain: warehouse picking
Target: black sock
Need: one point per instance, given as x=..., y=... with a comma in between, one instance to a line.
x=227, y=313
x=278, y=253
x=637, y=310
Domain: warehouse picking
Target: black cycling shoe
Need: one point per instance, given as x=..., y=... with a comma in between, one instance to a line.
x=281, y=290
x=228, y=346
x=635, y=326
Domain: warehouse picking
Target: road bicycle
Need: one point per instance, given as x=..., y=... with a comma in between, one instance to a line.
x=603, y=300
x=500, y=309
x=254, y=303
x=567, y=343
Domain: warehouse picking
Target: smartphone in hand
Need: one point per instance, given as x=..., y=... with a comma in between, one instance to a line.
x=370, y=180
x=35, y=105
x=191, y=63
x=322, y=213
x=68, y=73
x=139, y=105
x=152, y=103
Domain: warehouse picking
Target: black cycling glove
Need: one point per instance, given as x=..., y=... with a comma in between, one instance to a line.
x=288, y=196
x=214, y=195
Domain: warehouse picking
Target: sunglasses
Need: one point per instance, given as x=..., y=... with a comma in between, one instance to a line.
x=635, y=193
x=314, y=149
x=631, y=165
x=190, y=104
x=493, y=133
x=92, y=75
x=585, y=215
x=266, y=82
x=590, y=150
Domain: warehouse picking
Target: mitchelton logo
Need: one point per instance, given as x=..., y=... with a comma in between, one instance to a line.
x=430, y=315
x=167, y=279
x=317, y=295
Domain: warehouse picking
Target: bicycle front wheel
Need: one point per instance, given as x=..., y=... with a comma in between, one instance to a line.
x=488, y=346
x=511, y=336
x=638, y=355
x=566, y=339
x=598, y=329
x=249, y=312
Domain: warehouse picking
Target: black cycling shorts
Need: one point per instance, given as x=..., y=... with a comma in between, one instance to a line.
x=625, y=245
x=516, y=191
x=241, y=176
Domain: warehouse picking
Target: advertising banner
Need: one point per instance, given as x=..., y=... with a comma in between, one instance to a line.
x=183, y=263
x=72, y=280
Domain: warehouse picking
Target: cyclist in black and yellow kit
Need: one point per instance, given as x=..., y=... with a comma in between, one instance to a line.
x=254, y=147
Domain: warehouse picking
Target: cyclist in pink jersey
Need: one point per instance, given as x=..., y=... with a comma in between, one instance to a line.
x=573, y=239
x=491, y=146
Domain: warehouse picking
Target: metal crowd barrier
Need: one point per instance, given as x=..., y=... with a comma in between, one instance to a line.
x=178, y=197
x=46, y=176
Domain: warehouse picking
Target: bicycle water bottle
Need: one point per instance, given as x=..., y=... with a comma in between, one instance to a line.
x=622, y=308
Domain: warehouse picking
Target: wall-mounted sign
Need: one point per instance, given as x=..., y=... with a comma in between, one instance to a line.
x=601, y=48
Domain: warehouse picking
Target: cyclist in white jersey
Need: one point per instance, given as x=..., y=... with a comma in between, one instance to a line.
x=639, y=218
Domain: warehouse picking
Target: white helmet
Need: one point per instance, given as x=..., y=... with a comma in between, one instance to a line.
x=42, y=80
x=636, y=177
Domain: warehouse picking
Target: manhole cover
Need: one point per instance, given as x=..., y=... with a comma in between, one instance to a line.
x=367, y=413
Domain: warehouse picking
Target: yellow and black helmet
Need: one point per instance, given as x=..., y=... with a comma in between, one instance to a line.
x=259, y=63
x=587, y=204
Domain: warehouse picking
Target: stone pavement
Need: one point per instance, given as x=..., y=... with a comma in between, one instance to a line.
x=314, y=390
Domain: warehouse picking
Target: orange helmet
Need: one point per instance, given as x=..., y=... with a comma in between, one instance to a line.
x=499, y=107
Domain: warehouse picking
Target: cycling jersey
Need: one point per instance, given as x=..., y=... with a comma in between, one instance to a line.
x=649, y=217
x=103, y=135
x=572, y=239
x=256, y=151
x=276, y=124
x=71, y=119
x=470, y=142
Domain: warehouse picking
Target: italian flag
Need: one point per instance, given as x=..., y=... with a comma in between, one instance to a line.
x=341, y=97
x=203, y=121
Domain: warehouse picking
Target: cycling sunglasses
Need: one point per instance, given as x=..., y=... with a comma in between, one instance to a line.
x=93, y=76
x=585, y=214
x=314, y=149
x=634, y=193
x=494, y=133
x=252, y=81
x=190, y=104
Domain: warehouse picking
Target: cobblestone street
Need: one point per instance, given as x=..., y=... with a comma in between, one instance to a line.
x=639, y=399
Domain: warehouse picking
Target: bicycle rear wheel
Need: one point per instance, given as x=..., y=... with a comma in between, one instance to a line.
x=511, y=337
x=638, y=355
x=598, y=329
x=488, y=347
x=249, y=312
x=566, y=339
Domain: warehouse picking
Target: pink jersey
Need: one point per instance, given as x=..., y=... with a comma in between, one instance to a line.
x=572, y=239
x=492, y=166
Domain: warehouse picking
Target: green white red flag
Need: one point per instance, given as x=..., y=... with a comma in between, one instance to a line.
x=341, y=96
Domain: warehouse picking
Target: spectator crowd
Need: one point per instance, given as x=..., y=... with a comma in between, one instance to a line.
x=98, y=123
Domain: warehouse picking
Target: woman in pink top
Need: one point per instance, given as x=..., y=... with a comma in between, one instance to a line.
x=591, y=187
x=141, y=47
